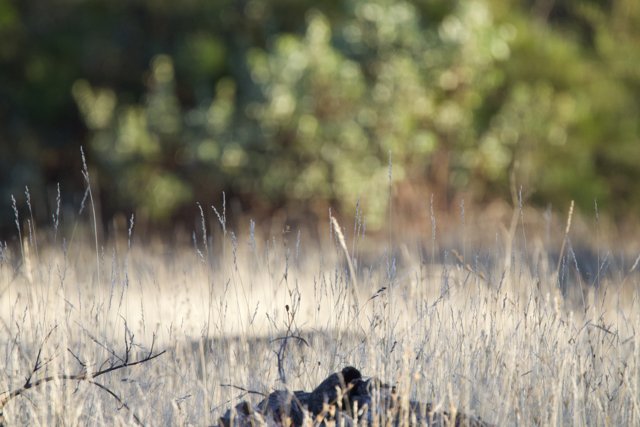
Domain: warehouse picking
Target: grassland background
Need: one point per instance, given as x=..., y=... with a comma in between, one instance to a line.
x=515, y=334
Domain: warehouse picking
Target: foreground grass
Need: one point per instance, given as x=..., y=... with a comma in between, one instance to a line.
x=490, y=334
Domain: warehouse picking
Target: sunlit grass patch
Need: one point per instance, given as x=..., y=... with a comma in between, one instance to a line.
x=239, y=312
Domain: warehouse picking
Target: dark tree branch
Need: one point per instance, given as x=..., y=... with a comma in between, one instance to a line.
x=109, y=365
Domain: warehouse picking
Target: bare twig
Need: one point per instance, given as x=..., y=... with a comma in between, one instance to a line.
x=237, y=387
x=38, y=364
x=299, y=338
x=283, y=346
x=291, y=314
x=83, y=375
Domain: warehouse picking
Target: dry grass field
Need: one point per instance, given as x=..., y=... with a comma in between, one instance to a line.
x=508, y=328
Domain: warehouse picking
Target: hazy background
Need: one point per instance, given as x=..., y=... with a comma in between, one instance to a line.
x=292, y=106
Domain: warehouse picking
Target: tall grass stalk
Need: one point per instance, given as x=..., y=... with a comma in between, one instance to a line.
x=87, y=179
x=352, y=272
x=17, y=223
x=55, y=216
x=31, y=223
x=566, y=235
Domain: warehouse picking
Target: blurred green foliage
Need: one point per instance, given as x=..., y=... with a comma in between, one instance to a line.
x=298, y=102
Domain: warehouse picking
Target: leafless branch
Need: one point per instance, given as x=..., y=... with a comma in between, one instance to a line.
x=109, y=365
x=237, y=387
x=291, y=314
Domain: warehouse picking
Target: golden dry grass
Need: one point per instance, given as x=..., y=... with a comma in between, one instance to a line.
x=501, y=343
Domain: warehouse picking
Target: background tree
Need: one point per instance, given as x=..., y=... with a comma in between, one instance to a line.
x=284, y=103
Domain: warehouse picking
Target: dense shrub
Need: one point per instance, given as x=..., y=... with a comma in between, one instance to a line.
x=284, y=102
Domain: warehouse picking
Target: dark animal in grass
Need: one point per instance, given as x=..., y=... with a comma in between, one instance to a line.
x=340, y=399
x=335, y=387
